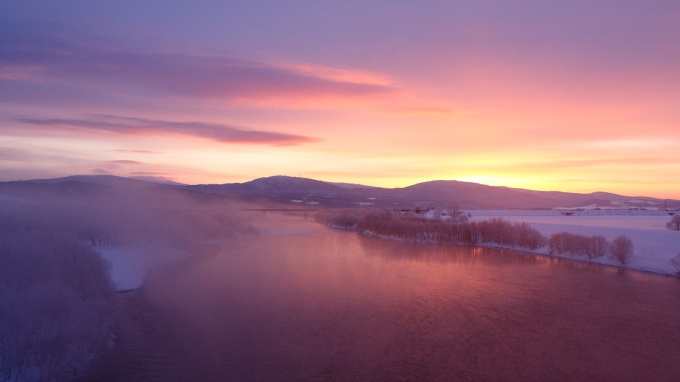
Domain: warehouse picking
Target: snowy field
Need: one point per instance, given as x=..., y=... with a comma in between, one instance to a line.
x=131, y=262
x=654, y=244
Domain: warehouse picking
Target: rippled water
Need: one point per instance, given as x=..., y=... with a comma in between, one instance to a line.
x=316, y=304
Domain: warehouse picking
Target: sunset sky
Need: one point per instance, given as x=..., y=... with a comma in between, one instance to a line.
x=576, y=96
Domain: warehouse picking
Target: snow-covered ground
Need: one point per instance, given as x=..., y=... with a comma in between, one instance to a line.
x=131, y=262
x=654, y=244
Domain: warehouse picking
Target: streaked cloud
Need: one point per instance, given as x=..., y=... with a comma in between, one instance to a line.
x=148, y=173
x=136, y=151
x=637, y=143
x=13, y=154
x=130, y=125
x=100, y=171
x=34, y=57
x=422, y=111
x=118, y=163
x=557, y=165
x=123, y=162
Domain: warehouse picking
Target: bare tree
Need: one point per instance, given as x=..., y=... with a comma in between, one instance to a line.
x=674, y=223
x=676, y=263
x=598, y=246
x=621, y=249
x=453, y=209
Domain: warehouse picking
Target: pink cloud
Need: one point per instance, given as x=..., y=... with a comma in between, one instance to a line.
x=100, y=171
x=136, y=151
x=129, y=125
x=36, y=58
x=123, y=162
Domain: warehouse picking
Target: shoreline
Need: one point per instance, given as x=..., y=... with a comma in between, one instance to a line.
x=585, y=261
x=518, y=250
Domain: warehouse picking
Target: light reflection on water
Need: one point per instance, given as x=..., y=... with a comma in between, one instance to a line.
x=334, y=305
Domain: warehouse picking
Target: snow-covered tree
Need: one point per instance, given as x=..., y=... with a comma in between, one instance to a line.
x=674, y=223
x=676, y=262
x=621, y=249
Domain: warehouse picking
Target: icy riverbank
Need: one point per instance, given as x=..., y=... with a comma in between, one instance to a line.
x=129, y=263
x=654, y=244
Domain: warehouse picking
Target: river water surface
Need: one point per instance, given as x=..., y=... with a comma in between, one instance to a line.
x=310, y=303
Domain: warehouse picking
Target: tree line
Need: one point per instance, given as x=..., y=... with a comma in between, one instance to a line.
x=56, y=294
x=56, y=300
x=414, y=228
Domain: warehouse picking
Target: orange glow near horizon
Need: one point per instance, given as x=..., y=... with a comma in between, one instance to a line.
x=519, y=99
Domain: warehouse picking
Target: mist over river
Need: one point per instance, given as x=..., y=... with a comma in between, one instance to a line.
x=310, y=303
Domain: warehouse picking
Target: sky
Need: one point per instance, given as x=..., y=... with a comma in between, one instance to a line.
x=578, y=96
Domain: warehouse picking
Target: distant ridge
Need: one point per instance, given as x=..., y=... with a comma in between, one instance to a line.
x=287, y=184
x=297, y=190
x=470, y=195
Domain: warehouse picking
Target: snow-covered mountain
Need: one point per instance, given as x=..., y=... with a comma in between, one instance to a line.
x=437, y=192
x=287, y=189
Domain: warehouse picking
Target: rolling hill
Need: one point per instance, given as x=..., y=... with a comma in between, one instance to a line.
x=311, y=192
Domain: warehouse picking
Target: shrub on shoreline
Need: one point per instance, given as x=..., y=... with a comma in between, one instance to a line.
x=676, y=263
x=590, y=246
x=621, y=249
x=674, y=223
x=420, y=229
x=414, y=228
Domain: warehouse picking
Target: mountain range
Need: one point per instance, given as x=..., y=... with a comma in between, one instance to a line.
x=306, y=192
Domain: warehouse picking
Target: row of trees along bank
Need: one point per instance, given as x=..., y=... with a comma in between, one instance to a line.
x=388, y=223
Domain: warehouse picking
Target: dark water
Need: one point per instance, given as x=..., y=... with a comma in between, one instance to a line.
x=328, y=305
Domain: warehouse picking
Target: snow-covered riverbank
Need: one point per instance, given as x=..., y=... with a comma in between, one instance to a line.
x=654, y=244
x=129, y=263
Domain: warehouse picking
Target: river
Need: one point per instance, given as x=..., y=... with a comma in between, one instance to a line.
x=310, y=303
